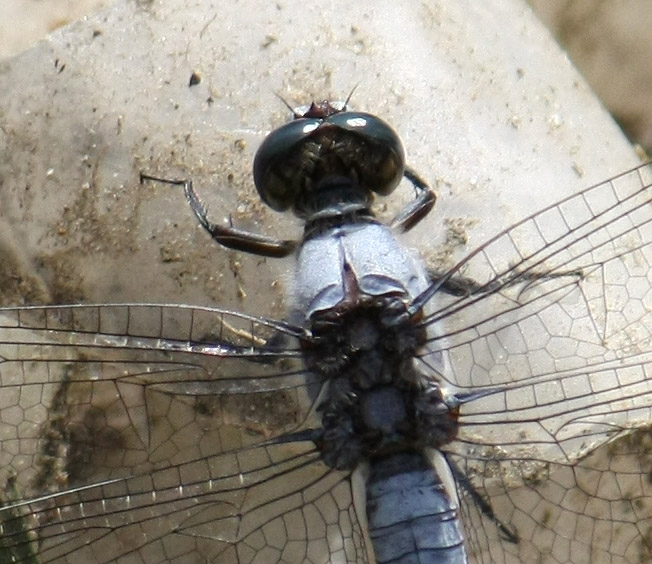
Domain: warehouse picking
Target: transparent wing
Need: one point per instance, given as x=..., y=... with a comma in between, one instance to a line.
x=130, y=445
x=564, y=328
x=596, y=510
x=268, y=504
x=559, y=324
x=130, y=377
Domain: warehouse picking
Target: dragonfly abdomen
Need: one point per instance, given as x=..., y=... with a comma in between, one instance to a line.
x=412, y=515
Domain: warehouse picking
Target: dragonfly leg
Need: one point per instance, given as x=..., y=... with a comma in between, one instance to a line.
x=229, y=236
x=419, y=208
x=455, y=285
x=508, y=534
x=464, y=286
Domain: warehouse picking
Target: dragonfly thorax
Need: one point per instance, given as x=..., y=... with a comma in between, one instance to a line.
x=378, y=402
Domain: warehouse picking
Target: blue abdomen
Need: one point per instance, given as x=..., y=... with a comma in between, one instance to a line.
x=413, y=518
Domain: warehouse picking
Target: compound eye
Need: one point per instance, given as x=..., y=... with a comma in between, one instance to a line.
x=275, y=170
x=380, y=156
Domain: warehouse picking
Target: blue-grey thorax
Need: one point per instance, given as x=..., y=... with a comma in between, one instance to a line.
x=381, y=265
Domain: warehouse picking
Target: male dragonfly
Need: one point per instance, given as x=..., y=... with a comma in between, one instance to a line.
x=517, y=401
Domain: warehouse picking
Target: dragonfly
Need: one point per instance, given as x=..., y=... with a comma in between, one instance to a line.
x=175, y=433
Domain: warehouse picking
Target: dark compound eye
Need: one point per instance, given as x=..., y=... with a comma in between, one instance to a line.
x=276, y=180
x=309, y=150
x=382, y=158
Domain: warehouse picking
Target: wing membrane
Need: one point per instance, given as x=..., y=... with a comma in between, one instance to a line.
x=235, y=507
x=566, y=287
x=597, y=510
x=581, y=234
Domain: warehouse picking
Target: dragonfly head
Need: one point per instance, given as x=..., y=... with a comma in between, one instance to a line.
x=326, y=146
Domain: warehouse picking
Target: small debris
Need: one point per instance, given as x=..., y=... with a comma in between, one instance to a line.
x=195, y=78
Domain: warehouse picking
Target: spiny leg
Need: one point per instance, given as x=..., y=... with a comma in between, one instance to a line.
x=419, y=208
x=464, y=286
x=229, y=236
